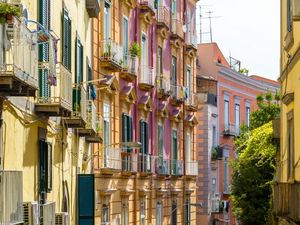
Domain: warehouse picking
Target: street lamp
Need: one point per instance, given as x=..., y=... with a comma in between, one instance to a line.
x=123, y=144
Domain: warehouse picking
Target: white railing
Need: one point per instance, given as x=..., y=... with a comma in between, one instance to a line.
x=147, y=75
x=163, y=166
x=48, y=214
x=163, y=83
x=111, y=51
x=191, y=168
x=130, y=64
x=148, y=3
x=178, y=92
x=91, y=116
x=11, y=197
x=111, y=158
x=192, y=99
x=21, y=59
x=129, y=161
x=61, y=93
x=176, y=27
x=191, y=39
x=230, y=129
x=80, y=105
x=146, y=163
x=215, y=205
x=163, y=15
x=177, y=167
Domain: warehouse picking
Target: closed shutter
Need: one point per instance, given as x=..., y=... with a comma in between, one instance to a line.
x=146, y=138
x=45, y=166
x=44, y=20
x=124, y=127
x=66, y=40
x=130, y=129
x=79, y=62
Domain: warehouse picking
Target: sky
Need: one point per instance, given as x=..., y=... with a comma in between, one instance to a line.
x=247, y=30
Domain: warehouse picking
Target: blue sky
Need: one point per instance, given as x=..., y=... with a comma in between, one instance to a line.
x=248, y=30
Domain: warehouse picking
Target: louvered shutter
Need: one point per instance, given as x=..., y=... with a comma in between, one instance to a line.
x=45, y=166
x=44, y=20
x=66, y=42
x=146, y=138
x=49, y=167
x=78, y=62
x=124, y=127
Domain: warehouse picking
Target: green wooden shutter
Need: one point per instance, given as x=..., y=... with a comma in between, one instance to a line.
x=66, y=40
x=129, y=129
x=124, y=127
x=146, y=138
x=49, y=167
x=45, y=166
x=78, y=62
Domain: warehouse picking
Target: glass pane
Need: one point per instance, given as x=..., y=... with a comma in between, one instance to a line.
x=226, y=114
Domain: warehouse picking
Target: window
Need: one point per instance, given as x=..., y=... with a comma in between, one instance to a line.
x=226, y=114
x=248, y=116
x=174, y=71
x=188, y=80
x=188, y=147
x=290, y=145
x=160, y=141
x=237, y=118
x=126, y=128
x=142, y=211
x=79, y=62
x=159, y=213
x=105, y=215
x=125, y=39
x=187, y=212
x=174, y=213
x=45, y=166
x=173, y=8
x=214, y=136
x=226, y=175
x=124, y=214
x=106, y=141
x=106, y=21
x=159, y=65
x=66, y=40
x=214, y=186
x=144, y=55
x=144, y=136
x=175, y=156
x=289, y=16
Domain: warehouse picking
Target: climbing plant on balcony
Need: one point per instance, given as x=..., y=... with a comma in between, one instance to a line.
x=7, y=11
x=135, y=49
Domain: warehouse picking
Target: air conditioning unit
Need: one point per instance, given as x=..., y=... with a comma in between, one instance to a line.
x=31, y=213
x=61, y=218
x=296, y=10
x=48, y=213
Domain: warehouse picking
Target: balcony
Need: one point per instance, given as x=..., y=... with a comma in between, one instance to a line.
x=93, y=8
x=146, y=82
x=191, y=41
x=163, y=17
x=11, y=197
x=177, y=95
x=19, y=61
x=229, y=130
x=130, y=68
x=176, y=29
x=111, y=161
x=191, y=168
x=286, y=202
x=216, y=205
x=191, y=102
x=146, y=164
x=111, y=55
x=163, y=166
x=177, y=167
x=217, y=153
x=59, y=101
x=78, y=117
x=97, y=137
x=147, y=6
x=129, y=163
x=90, y=126
x=163, y=87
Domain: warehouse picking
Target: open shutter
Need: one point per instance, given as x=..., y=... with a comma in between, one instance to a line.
x=78, y=62
x=45, y=166
x=124, y=127
x=129, y=129
x=146, y=138
x=66, y=40
x=49, y=167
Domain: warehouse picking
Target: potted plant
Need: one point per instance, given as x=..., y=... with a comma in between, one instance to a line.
x=135, y=49
x=214, y=154
x=8, y=11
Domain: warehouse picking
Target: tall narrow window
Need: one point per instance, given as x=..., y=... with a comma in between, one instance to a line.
x=144, y=158
x=159, y=66
x=66, y=40
x=226, y=114
x=289, y=16
x=188, y=147
x=124, y=214
x=106, y=20
x=214, y=136
x=125, y=39
x=142, y=211
x=188, y=81
x=237, y=118
x=45, y=166
x=214, y=186
x=105, y=215
x=290, y=145
x=174, y=9
x=187, y=212
x=79, y=62
x=159, y=213
x=144, y=56
x=174, y=71
x=174, y=213
x=248, y=116
x=160, y=141
x=106, y=141
x=174, y=153
x=226, y=175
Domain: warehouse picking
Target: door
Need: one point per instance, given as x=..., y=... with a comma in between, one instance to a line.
x=86, y=199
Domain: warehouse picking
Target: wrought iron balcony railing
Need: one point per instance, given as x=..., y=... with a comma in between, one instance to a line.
x=229, y=129
x=191, y=168
x=111, y=159
x=191, y=40
x=129, y=162
x=146, y=164
x=163, y=166
x=176, y=28
x=177, y=167
x=130, y=67
x=163, y=16
x=111, y=55
x=178, y=94
x=192, y=101
x=147, y=78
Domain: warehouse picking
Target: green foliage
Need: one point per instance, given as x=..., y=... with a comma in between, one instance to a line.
x=244, y=71
x=267, y=111
x=253, y=172
x=135, y=49
x=9, y=9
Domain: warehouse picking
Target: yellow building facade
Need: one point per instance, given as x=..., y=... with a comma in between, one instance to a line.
x=286, y=204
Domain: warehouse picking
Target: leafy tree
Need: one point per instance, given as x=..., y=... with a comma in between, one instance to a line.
x=255, y=165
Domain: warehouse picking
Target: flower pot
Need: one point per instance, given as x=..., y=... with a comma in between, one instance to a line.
x=9, y=18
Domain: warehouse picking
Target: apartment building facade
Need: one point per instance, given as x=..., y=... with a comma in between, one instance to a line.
x=48, y=119
x=231, y=97
x=144, y=58
x=286, y=187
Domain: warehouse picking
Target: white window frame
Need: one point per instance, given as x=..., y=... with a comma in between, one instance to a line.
x=106, y=21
